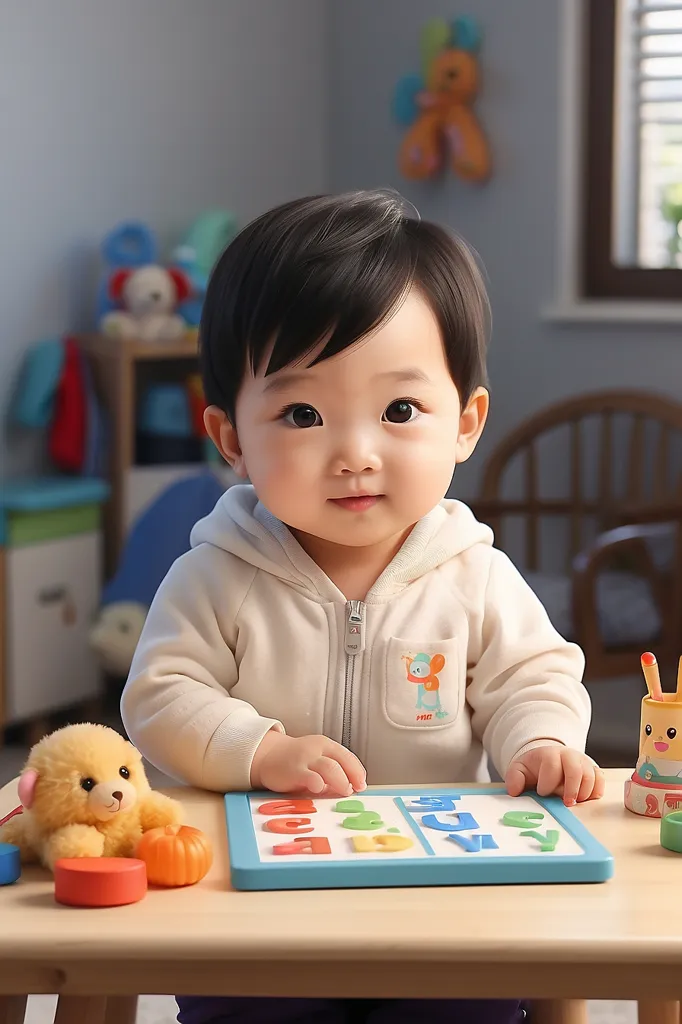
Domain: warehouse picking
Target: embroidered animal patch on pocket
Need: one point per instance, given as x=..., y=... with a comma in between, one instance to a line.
x=422, y=683
x=423, y=670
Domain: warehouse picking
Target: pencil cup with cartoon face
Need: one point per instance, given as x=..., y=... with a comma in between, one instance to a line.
x=655, y=788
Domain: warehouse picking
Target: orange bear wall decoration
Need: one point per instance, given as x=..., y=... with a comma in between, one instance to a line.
x=436, y=106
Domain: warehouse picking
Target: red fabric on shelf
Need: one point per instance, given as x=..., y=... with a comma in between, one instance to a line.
x=67, y=436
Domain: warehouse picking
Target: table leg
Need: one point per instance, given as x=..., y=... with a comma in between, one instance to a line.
x=12, y=1009
x=121, y=1010
x=658, y=1013
x=81, y=1010
x=559, y=1011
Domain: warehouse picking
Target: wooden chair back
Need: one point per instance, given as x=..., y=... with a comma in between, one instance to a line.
x=615, y=458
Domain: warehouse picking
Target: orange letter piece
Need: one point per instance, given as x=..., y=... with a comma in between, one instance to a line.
x=316, y=844
x=288, y=826
x=288, y=807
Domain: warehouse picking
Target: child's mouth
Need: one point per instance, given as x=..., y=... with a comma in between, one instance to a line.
x=358, y=502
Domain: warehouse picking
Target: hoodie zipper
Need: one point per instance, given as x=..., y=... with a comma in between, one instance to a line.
x=354, y=644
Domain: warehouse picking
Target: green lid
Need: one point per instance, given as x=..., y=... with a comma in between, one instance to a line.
x=671, y=831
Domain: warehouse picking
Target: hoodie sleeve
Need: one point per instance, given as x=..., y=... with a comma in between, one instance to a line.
x=176, y=705
x=525, y=686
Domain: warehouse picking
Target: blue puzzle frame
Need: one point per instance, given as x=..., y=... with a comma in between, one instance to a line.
x=249, y=873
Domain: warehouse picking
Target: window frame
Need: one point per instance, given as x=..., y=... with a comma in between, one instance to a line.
x=600, y=277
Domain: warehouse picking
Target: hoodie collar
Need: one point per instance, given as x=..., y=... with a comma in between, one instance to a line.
x=241, y=524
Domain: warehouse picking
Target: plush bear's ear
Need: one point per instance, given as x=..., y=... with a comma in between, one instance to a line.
x=181, y=282
x=117, y=282
x=27, y=787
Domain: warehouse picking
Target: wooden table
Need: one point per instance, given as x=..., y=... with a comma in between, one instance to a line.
x=555, y=944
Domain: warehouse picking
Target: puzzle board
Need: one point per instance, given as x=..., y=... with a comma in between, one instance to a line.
x=408, y=837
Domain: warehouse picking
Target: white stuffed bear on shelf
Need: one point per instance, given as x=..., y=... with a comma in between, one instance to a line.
x=149, y=296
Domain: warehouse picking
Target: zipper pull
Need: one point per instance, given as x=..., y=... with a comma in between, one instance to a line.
x=355, y=628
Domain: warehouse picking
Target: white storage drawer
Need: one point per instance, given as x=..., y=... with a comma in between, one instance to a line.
x=52, y=593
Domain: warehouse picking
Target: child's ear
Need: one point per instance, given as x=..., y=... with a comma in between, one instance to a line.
x=224, y=437
x=471, y=423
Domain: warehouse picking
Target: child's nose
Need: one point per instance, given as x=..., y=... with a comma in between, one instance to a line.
x=355, y=454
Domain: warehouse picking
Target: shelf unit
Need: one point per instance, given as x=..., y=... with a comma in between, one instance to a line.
x=120, y=369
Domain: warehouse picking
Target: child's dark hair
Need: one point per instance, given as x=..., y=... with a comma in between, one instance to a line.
x=335, y=267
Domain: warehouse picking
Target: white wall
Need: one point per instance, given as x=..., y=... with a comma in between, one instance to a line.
x=151, y=109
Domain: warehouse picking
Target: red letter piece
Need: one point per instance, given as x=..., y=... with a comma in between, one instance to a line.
x=288, y=807
x=288, y=826
x=316, y=844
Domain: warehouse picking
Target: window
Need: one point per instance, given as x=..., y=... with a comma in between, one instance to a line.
x=632, y=231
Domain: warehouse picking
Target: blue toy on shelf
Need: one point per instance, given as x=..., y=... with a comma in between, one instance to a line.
x=165, y=430
x=158, y=537
x=131, y=244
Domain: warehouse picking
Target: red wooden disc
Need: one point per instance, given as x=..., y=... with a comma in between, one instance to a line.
x=99, y=881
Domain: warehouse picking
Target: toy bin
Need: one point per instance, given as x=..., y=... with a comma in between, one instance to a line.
x=50, y=583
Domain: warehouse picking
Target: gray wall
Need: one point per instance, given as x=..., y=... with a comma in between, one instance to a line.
x=154, y=110
x=511, y=221
x=160, y=109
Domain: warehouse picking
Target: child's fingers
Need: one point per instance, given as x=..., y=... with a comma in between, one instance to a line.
x=599, y=784
x=587, y=783
x=351, y=765
x=517, y=778
x=332, y=775
x=308, y=780
x=551, y=773
x=572, y=765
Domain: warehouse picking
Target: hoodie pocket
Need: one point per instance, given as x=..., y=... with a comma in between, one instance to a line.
x=421, y=683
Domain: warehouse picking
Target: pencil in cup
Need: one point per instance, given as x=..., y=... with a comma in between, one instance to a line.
x=652, y=676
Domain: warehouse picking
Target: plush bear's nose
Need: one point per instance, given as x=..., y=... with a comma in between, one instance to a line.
x=118, y=795
x=156, y=296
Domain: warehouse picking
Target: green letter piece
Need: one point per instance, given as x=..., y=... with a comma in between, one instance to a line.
x=547, y=843
x=349, y=806
x=366, y=821
x=522, y=819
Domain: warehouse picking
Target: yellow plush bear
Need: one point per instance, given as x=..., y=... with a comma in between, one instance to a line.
x=84, y=793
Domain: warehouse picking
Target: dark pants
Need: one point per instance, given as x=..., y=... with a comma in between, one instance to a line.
x=199, y=1010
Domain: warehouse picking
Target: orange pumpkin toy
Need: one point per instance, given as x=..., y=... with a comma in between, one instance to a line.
x=175, y=855
x=436, y=107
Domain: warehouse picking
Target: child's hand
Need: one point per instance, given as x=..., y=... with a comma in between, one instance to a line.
x=556, y=769
x=286, y=764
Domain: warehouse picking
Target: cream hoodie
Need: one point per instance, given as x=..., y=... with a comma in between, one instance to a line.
x=450, y=656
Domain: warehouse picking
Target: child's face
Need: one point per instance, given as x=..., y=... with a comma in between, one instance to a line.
x=381, y=420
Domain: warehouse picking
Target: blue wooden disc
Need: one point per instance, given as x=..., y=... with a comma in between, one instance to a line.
x=10, y=864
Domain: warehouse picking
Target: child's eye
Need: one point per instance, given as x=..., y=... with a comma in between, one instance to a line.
x=301, y=416
x=672, y=733
x=401, y=411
